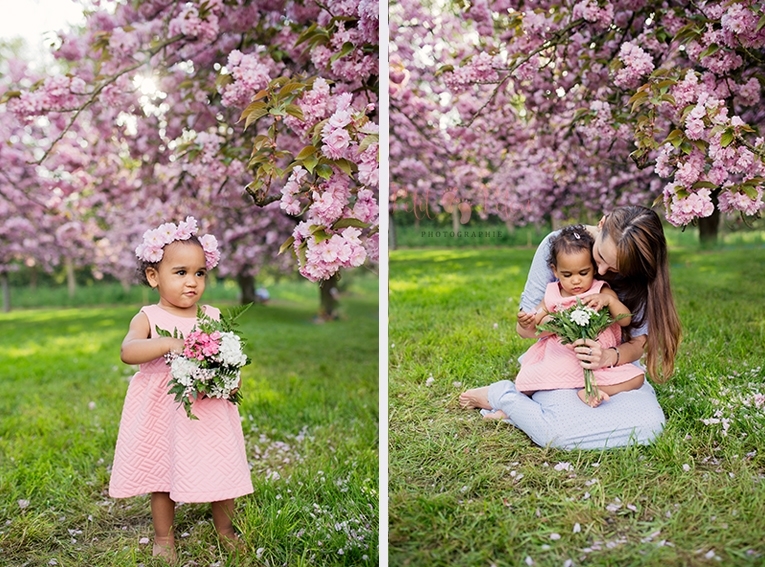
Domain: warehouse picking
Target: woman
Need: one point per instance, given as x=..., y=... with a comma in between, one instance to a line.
x=631, y=254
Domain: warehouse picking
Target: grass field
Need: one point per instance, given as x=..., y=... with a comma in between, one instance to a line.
x=439, y=233
x=464, y=492
x=310, y=415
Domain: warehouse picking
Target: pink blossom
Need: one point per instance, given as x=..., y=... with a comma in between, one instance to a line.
x=665, y=161
x=738, y=201
x=590, y=11
x=480, y=69
x=637, y=64
x=696, y=204
x=686, y=91
x=336, y=141
x=749, y=92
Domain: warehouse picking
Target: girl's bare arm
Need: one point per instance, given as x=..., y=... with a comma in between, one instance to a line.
x=138, y=347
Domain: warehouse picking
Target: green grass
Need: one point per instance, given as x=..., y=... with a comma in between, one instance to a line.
x=89, y=293
x=464, y=492
x=310, y=414
x=438, y=232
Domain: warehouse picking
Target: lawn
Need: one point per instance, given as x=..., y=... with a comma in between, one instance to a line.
x=465, y=492
x=310, y=416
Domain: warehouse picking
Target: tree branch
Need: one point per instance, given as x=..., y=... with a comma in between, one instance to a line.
x=97, y=91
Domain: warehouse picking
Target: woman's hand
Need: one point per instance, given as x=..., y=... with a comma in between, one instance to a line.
x=590, y=354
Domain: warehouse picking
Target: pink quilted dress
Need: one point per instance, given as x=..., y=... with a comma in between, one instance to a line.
x=159, y=449
x=549, y=365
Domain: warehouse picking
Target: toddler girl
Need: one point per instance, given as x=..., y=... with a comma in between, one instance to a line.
x=550, y=365
x=159, y=449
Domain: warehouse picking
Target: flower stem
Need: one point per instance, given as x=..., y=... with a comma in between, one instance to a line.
x=590, y=388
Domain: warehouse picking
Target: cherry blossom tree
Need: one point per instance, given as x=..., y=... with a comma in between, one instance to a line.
x=569, y=108
x=182, y=108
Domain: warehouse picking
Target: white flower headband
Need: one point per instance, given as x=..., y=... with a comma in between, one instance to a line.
x=154, y=241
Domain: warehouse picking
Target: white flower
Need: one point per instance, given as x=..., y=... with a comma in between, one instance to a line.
x=183, y=370
x=230, y=352
x=580, y=317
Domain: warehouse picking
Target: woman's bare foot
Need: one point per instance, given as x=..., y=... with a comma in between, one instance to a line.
x=599, y=397
x=477, y=398
x=164, y=547
x=498, y=415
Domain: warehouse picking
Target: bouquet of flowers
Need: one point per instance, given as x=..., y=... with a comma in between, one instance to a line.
x=211, y=360
x=580, y=322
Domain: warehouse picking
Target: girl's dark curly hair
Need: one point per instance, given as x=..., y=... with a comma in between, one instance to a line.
x=143, y=264
x=569, y=240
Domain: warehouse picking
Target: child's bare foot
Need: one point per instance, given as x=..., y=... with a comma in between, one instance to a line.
x=231, y=542
x=595, y=400
x=477, y=398
x=164, y=547
x=497, y=415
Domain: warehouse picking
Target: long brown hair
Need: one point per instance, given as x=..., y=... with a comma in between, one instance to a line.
x=643, y=283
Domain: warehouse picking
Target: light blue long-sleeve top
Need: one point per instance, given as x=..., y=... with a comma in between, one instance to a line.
x=558, y=418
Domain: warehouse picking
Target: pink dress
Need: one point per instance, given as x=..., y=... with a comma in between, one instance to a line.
x=549, y=365
x=159, y=449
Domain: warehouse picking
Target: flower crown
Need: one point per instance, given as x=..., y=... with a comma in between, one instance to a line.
x=154, y=241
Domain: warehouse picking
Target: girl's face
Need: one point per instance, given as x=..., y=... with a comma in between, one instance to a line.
x=180, y=276
x=575, y=271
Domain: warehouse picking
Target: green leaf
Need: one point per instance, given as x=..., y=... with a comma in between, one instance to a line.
x=259, y=141
x=749, y=191
x=704, y=185
x=324, y=171
x=317, y=130
x=296, y=111
x=258, y=108
x=711, y=50
x=668, y=98
x=286, y=244
x=305, y=152
x=162, y=332
x=760, y=23
x=345, y=223
x=235, y=312
x=675, y=137
x=726, y=139
x=637, y=100
x=8, y=95
x=665, y=84
x=310, y=163
x=290, y=88
x=320, y=236
x=259, y=95
x=345, y=166
x=368, y=141
x=344, y=50
x=444, y=69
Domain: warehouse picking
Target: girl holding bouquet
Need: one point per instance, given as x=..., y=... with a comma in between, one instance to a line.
x=159, y=449
x=630, y=252
x=549, y=364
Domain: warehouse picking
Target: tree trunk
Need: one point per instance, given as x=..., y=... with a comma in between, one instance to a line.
x=709, y=226
x=6, y=292
x=455, y=220
x=328, y=293
x=71, y=282
x=33, y=277
x=391, y=232
x=246, y=289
